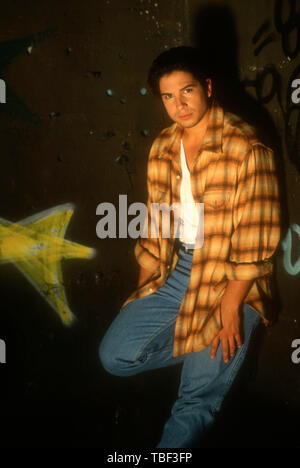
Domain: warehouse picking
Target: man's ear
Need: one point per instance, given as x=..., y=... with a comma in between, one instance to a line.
x=209, y=87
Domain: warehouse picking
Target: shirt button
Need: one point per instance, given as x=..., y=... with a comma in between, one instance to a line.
x=168, y=266
x=150, y=289
x=178, y=176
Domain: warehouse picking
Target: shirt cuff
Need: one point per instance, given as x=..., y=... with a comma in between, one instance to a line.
x=248, y=271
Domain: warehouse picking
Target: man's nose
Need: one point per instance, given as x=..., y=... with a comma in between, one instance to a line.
x=180, y=102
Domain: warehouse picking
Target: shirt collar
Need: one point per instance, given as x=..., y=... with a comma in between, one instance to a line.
x=214, y=133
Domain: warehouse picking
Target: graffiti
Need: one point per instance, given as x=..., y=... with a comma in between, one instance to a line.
x=36, y=246
x=292, y=269
x=257, y=36
x=289, y=27
x=268, y=82
x=2, y=352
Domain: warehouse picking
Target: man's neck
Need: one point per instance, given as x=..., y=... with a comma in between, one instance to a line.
x=195, y=135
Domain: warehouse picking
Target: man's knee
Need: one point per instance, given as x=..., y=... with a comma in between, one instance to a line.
x=107, y=356
x=114, y=360
x=119, y=348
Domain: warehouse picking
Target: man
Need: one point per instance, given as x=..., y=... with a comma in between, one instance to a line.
x=199, y=304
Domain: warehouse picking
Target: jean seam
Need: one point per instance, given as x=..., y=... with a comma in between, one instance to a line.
x=159, y=351
x=161, y=330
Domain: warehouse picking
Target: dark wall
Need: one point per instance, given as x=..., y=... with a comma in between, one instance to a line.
x=253, y=49
x=67, y=145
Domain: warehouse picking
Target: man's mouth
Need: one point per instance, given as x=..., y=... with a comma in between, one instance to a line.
x=185, y=116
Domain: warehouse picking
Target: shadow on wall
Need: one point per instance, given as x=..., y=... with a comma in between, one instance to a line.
x=216, y=39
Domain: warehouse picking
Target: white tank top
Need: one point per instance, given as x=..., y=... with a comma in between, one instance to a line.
x=189, y=216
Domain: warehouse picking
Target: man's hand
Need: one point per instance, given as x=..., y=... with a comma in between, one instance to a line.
x=231, y=333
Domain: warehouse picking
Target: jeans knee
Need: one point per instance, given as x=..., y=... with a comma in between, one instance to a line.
x=107, y=357
x=112, y=363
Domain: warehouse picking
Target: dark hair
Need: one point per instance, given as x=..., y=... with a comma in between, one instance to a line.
x=183, y=58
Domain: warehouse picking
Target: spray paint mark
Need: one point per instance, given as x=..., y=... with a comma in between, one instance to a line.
x=287, y=249
x=36, y=246
x=287, y=29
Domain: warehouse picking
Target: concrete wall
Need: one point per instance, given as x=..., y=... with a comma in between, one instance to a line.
x=75, y=132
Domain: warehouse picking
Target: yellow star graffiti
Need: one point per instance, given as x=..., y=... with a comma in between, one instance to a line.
x=36, y=246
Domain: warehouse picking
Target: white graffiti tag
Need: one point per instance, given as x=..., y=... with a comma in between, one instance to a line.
x=287, y=249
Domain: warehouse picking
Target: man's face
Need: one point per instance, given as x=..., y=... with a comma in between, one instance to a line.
x=184, y=98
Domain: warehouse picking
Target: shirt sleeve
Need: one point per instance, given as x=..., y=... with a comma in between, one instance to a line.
x=147, y=249
x=256, y=217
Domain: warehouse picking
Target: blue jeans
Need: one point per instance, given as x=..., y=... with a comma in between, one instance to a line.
x=141, y=338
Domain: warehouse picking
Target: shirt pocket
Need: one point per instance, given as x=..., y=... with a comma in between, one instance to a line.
x=216, y=199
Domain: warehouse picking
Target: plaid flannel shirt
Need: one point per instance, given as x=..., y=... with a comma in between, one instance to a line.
x=234, y=176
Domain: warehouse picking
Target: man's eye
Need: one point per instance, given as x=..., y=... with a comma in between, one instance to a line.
x=188, y=90
x=167, y=96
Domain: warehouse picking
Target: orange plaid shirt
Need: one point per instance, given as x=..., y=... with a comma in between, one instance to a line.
x=234, y=176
